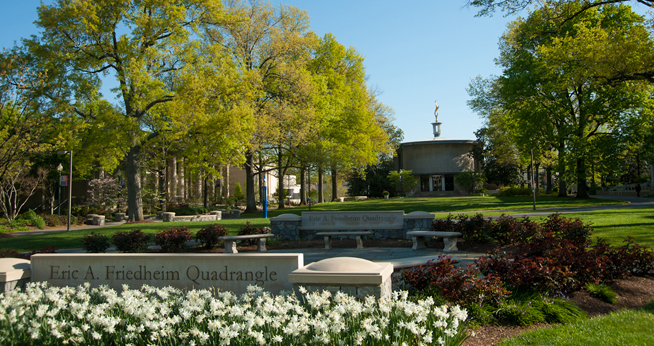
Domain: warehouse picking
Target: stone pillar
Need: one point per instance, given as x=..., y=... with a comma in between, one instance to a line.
x=168, y=216
x=356, y=277
x=286, y=226
x=417, y=221
x=217, y=213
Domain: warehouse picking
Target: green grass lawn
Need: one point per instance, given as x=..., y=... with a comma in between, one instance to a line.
x=625, y=327
x=615, y=225
x=450, y=204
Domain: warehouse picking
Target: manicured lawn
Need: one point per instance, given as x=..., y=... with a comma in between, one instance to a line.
x=615, y=225
x=72, y=239
x=626, y=327
x=449, y=205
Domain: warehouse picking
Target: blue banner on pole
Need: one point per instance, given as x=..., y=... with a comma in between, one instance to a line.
x=63, y=180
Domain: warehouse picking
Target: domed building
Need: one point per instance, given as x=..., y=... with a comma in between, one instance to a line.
x=436, y=162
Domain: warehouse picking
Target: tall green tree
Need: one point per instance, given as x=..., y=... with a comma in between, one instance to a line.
x=265, y=38
x=26, y=130
x=558, y=90
x=352, y=134
x=140, y=45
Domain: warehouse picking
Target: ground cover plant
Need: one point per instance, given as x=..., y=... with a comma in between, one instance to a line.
x=167, y=316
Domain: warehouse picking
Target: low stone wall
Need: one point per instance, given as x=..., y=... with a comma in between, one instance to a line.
x=215, y=215
x=290, y=226
x=194, y=218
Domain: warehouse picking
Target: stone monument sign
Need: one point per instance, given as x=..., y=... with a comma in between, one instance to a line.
x=227, y=272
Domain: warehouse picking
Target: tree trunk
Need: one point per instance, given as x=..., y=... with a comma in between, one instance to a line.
x=206, y=192
x=251, y=204
x=303, y=189
x=320, y=184
x=162, y=190
x=181, y=180
x=582, y=191
x=133, y=173
x=548, y=169
x=334, y=183
x=535, y=173
x=562, y=184
x=172, y=188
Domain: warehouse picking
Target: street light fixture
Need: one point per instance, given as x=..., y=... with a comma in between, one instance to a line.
x=59, y=169
x=70, y=185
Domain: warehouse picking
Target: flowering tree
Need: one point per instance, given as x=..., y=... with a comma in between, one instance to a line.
x=106, y=192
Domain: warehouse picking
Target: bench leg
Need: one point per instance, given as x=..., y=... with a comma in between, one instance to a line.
x=359, y=243
x=328, y=242
x=450, y=244
x=418, y=243
x=230, y=246
x=261, y=245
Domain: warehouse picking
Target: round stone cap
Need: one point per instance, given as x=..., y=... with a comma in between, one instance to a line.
x=343, y=265
x=9, y=264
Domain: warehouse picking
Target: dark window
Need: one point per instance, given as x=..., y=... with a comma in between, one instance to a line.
x=424, y=183
x=449, y=182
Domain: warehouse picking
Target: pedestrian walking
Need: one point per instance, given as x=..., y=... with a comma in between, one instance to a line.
x=638, y=188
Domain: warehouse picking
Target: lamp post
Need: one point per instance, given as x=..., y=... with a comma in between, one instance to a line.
x=59, y=169
x=265, y=199
x=70, y=185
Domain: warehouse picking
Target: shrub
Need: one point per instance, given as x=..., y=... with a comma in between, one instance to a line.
x=567, y=228
x=189, y=210
x=629, y=259
x=248, y=230
x=508, y=230
x=208, y=236
x=32, y=219
x=535, y=308
x=457, y=285
x=172, y=240
x=95, y=243
x=15, y=254
x=53, y=220
x=9, y=253
x=444, y=225
x=475, y=229
x=132, y=241
x=602, y=291
x=511, y=191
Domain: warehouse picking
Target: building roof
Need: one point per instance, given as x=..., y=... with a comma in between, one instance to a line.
x=440, y=140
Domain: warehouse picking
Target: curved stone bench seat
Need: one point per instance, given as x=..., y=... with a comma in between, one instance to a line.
x=230, y=241
x=328, y=237
x=449, y=239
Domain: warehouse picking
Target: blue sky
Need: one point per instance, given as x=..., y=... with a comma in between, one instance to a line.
x=416, y=52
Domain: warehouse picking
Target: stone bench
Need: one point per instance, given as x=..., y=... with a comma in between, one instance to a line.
x=449, y=239
x=95, y=219
x=230, y=241
x=328, y=237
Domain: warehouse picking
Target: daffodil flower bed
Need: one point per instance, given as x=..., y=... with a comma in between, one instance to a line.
x=83, y=315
